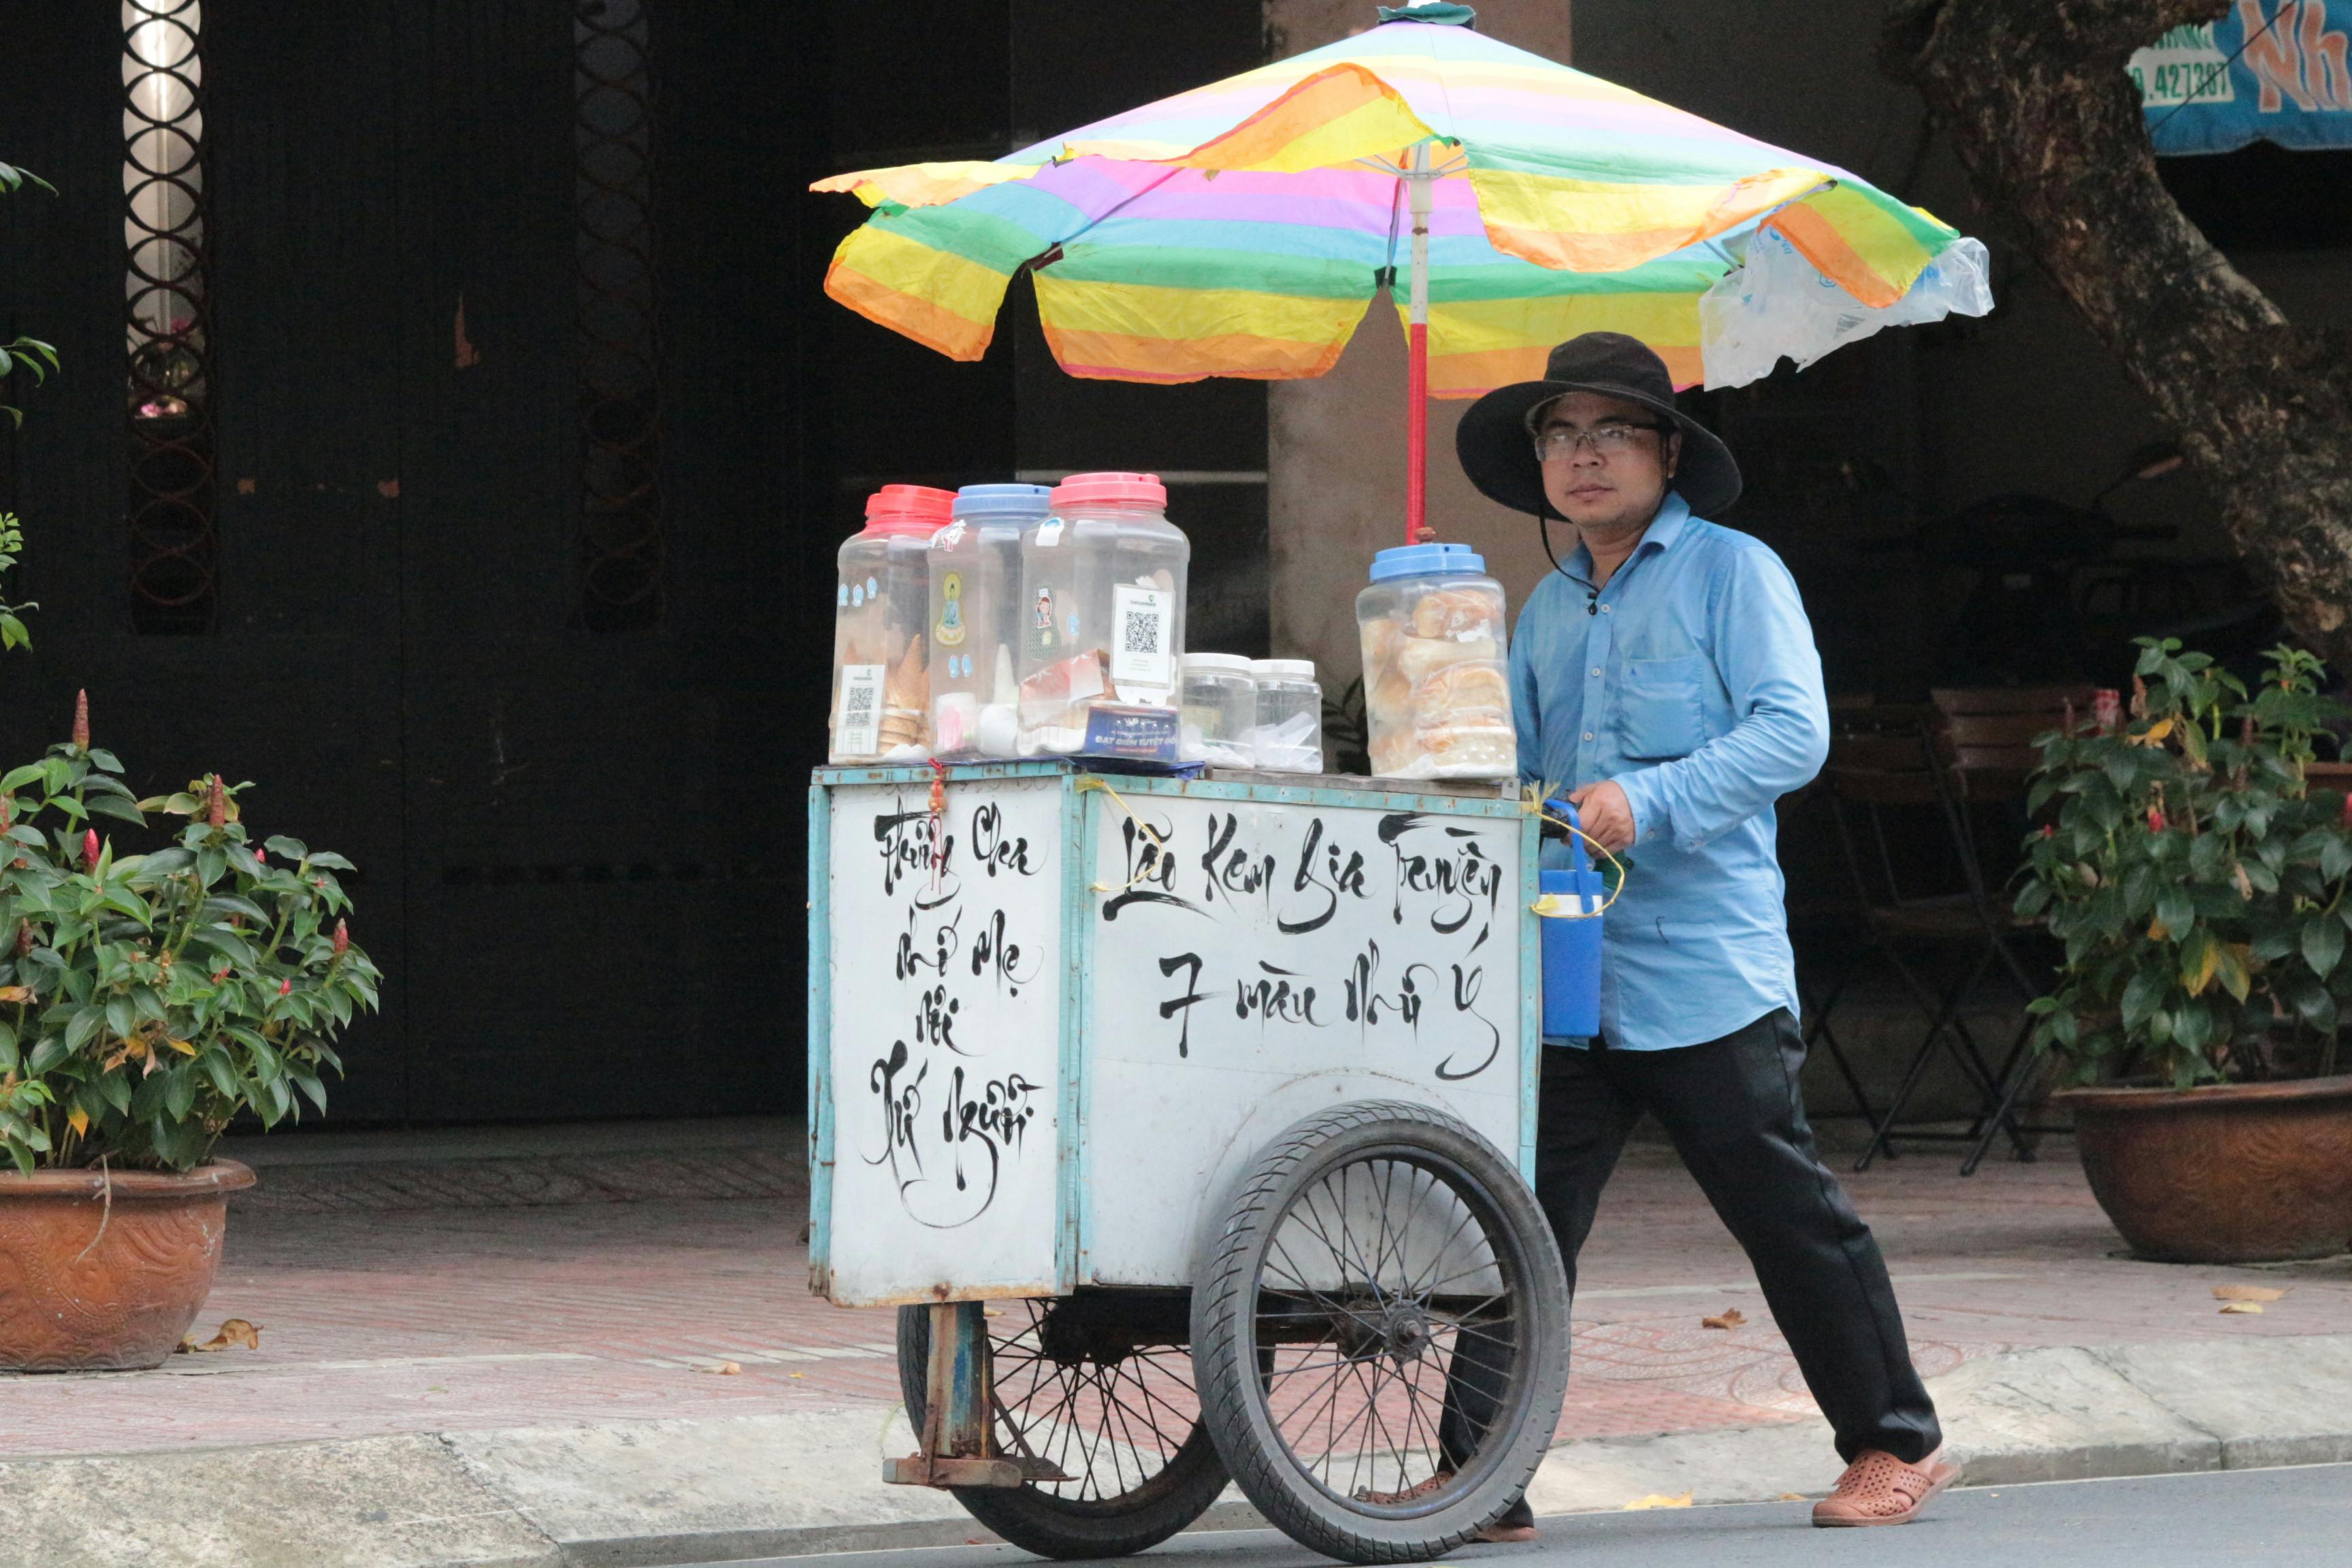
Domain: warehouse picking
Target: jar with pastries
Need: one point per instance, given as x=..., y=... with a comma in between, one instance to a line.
x=1437, y=704
x=881, y=610
x=976, y=620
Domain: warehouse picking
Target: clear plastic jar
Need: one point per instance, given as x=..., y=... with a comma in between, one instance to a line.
x=1220, y=710
x=975, y=569
x=1288, y=735
x=1102, y=594
x=881, y=664
x=1438, y=703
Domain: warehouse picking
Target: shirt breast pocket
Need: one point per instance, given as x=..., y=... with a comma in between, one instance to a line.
x=1659, y=715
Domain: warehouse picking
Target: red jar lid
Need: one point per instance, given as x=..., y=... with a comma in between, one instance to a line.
x=1115, y=488
x=903, y=510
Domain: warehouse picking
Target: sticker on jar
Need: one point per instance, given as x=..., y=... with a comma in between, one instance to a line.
x=949, y=632
x=1049, y=534
x=1140, y=658
x=857, y=722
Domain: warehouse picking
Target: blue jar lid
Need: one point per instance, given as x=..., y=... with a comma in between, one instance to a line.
x=1003, y=500
x=1426, y=561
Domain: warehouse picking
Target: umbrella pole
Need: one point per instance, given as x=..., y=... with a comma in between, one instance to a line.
x=1416, y=419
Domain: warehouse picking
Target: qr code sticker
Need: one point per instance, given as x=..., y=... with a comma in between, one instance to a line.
x=1141, y=633
x=858, y=704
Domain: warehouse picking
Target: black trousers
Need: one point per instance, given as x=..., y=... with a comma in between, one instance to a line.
x=1737, y=1116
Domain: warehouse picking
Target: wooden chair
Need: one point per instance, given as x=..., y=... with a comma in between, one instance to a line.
x=1888, y=790
x=1987, y=743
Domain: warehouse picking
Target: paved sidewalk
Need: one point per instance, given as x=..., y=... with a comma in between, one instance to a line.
x=532, y=1340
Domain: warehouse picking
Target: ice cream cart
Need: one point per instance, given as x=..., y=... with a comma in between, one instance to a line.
x=1188, y=1122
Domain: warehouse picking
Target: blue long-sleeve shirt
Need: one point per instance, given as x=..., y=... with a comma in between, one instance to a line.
x=1691, y=680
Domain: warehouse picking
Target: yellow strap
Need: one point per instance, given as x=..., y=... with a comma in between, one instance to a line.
x=1091, y=780
x=1549, y=905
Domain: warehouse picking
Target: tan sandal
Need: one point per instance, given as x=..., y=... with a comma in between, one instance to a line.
x=1879, y=1488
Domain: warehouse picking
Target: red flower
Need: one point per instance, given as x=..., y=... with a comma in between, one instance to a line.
x=81, y=721
x=342, y=938
x=2048, y=831
x=260, y=856
x=286, y=986
x=2348, y=812
x=89, y=849
x=24, y=938
x=220, y=974
x=2155, y=819
x=216, y=803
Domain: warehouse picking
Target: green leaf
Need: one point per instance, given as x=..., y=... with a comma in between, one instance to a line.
x=180, y=1093
x=2336, y=857
x=110, y=806
x=121, y=1016
x=17, y=778
x=2143, y=996
x=286, y=848
x=326, y=859
x=2175, y=908
x=2323, y=944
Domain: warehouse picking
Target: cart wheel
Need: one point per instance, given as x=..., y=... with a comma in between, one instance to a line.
x=1101, y=1384
x=1380, y=1333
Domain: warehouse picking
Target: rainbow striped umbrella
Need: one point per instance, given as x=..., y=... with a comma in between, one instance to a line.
x=1242, y=228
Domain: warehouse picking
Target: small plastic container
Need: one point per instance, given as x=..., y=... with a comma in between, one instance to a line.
x=975, y=624
x=1288, y=735
x=1102, y=619
x=1572, y=942
x=1220, y=710
x=1438, y=703
x=881, y=660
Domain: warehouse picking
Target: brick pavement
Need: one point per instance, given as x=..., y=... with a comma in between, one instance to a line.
x=604, y=1298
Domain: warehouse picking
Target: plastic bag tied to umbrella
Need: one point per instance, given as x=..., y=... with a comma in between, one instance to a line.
x=1242, y=228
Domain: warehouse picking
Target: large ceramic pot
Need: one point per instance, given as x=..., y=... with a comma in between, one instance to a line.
x=2235, y=1172
x=104, y=1271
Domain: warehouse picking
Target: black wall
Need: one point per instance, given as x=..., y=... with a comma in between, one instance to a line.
x=582, y=856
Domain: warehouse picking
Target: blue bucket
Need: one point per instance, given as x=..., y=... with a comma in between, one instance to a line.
x=1572, y=946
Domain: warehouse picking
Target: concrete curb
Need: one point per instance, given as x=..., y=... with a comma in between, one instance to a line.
x=642, y=1494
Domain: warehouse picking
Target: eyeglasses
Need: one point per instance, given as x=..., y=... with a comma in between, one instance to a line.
x=1560, y=441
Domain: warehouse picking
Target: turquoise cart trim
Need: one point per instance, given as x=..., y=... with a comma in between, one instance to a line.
x=820, y=1034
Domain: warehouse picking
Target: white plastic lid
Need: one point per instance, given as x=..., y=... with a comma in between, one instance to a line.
x=1283, y=668
x=1233, y=663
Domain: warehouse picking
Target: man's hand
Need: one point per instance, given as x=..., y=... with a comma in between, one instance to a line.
x=1605, y=813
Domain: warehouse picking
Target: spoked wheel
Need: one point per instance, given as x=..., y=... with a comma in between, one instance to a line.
x=1381, y=1333
x=1101, y=1386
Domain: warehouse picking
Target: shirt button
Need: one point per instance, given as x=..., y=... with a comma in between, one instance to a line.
x=1608, y=609
x=1588, y=734
x=1596, y=669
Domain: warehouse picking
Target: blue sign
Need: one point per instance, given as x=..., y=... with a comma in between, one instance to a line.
x=2275, y=70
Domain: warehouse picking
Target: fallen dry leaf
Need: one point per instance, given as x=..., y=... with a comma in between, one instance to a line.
x=1731, y=1319
x=1658, y=1500
x=1793, y=1497
x=2246, y=1293
x=2242, y=1306
x=722, y=1369
x=233, y=1332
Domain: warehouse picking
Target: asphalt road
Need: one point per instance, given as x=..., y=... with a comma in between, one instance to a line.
x=2299, y=1517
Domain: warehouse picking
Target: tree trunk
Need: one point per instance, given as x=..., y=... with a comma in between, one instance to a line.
x=2035, y=96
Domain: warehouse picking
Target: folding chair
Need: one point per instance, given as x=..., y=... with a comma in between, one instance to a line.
x=1887, y=790
x=1828, y=929
x=1985, y=741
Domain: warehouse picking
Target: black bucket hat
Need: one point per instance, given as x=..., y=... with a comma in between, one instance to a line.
x=1497, y=448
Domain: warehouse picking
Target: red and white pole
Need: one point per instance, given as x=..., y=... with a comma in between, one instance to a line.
x=1422, y=186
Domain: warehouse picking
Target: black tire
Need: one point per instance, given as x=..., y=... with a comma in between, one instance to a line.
x=1374, y=1320
x=1066, y=1392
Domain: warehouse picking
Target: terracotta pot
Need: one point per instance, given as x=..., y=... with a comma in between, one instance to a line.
x=2233, y=1173
x=105, y=1272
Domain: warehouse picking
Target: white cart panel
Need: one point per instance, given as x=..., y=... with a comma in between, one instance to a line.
x=1278, y=959
x=1042, y=1049
x=945, y=984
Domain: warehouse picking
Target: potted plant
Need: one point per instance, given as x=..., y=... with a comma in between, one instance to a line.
x=145, y=1000
x=2200, y=886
